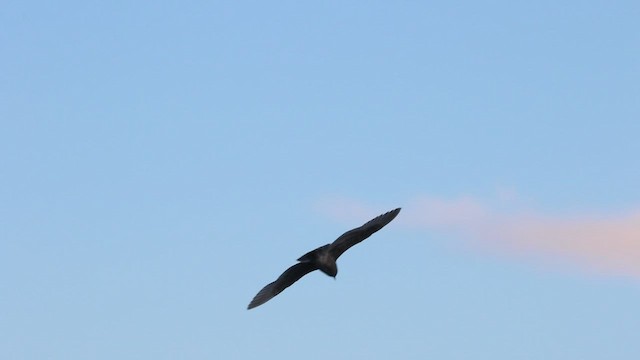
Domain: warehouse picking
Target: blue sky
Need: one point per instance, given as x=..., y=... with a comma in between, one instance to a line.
x=161, y=162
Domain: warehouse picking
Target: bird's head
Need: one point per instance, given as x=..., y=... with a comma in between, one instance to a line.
x=330, y=269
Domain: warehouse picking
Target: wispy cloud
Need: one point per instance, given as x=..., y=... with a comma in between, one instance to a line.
x=596, y=243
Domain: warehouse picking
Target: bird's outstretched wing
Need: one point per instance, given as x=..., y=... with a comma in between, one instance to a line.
x=285, y=280
x=352, y=237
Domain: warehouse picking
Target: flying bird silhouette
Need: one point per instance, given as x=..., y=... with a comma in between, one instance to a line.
x=323, y=258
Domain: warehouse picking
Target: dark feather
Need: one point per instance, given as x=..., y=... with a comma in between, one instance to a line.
x=352, y=237
x=285, y=280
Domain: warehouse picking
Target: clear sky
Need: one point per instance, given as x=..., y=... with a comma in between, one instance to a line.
x=160, y=162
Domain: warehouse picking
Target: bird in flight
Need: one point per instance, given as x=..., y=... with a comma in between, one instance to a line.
x=323, y=258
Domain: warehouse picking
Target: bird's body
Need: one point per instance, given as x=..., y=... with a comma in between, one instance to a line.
x=323, y=258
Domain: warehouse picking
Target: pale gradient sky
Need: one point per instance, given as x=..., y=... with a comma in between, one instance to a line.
x=162, y=161
x=604, y=244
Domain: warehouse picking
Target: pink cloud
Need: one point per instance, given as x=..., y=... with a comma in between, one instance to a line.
x=604, y=244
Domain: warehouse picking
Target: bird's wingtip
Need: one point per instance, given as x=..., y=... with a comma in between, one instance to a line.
x=395, y=211
x=252, y=305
